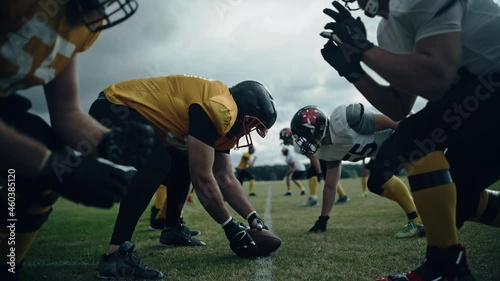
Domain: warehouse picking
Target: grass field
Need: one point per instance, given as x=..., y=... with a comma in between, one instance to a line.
x=358, y=245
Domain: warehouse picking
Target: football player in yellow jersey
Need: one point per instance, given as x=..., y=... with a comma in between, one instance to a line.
x=242, y=172
x=39, y=43
x=199, y=116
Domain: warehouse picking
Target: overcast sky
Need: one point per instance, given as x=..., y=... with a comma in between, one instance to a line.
x=274, y=42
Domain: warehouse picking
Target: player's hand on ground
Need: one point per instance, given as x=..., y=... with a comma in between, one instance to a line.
x=128, y=144
x=254, y=221
x=83, y=179
x=240, y=242
x=320, y=177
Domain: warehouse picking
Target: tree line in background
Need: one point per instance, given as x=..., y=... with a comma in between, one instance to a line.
x=277, y=172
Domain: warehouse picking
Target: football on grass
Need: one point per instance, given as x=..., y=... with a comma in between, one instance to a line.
x=266, y=241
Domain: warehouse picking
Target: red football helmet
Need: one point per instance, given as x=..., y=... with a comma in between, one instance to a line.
x=309, y=126
x=286, y=136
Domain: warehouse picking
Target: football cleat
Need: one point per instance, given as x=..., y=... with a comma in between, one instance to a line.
x=342, y=200
x=179, y=236
x=311, y=202
x=440, y=265
x=123, y=264
x=410, y=230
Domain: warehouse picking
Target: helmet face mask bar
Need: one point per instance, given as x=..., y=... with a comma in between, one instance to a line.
x=102, y=14
x=250, y=124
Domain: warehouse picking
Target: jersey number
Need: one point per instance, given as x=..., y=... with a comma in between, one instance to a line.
x=13, y=51
x=360, y=153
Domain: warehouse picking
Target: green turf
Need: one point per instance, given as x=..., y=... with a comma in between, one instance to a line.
x=358, y=245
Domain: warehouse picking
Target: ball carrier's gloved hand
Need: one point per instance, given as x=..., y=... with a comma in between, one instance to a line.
x=83, y=179
x=240, y=242
x=254, y=221
x=128, y=144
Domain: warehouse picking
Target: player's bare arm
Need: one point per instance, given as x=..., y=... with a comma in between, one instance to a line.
x=15, y=147
x=314, y=162
x=66, y=115
x=330, y=189
x=383, y=122
x=435, y=60
x=229, y=185
x=201, y=160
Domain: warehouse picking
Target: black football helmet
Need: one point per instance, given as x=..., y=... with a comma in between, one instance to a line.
x=256, y=111
x=251, y=149
x=284, y=150
x=286, y=136
x=101, y=14
x=309, y=126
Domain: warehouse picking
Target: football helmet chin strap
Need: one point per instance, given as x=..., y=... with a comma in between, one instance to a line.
x=371, y=8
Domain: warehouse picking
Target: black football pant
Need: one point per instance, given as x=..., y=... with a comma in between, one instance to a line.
x=165, y=165
x=463, y=124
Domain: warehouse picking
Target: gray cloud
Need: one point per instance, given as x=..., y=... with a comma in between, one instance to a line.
x=229, y=40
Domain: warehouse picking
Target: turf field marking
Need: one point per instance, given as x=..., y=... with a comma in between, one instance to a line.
x=264, y=269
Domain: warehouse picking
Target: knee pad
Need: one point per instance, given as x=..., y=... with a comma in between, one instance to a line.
x=375, y=184
x=488, y=211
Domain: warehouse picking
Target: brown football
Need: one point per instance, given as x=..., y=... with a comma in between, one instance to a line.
x=266, y=241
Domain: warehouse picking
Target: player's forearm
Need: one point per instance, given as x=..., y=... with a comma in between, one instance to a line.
x=329, y=192
x=210, y=197
x=16, y=149
x=385, y=98
x=233, y=194
x=315, y=163
x=406, y=72
x=79, y=130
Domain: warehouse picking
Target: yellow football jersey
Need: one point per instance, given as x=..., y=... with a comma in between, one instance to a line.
x=244, y=161
x=165, y=101
x=36, y=43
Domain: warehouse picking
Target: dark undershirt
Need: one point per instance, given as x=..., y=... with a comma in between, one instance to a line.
x=201, y=126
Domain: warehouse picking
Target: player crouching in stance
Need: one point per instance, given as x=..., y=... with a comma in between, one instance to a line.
x=351, y=133
x=197, y=122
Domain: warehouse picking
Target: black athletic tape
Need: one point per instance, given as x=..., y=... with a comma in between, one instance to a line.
x=492, y=207
x=430, y=179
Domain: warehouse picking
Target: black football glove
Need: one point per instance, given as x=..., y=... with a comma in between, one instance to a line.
x=87, y=180
x=339, y=59
x=320, y=177
x=347, y=31
x=254, y=221
x=320, y=224
x=128, y=144
x=240, y=242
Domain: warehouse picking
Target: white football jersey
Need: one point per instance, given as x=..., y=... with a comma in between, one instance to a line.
x=294, y=159
x=478, y=21
x=347, y=144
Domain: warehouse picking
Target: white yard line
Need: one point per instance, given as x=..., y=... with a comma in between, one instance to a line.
x=264, y=265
